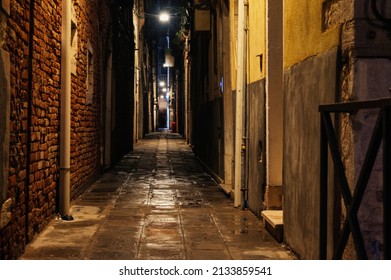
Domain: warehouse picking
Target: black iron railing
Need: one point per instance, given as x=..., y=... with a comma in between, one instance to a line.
x=352, y=203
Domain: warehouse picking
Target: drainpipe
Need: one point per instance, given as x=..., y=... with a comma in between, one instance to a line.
x=65, y=123
x=136, y=74
x=246, y=128
x=239, y=106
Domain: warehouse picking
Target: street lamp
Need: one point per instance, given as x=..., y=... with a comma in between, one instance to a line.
x=164, y=17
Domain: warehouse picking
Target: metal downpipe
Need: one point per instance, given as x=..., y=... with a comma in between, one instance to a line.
x=65, y=122
x=239, y=107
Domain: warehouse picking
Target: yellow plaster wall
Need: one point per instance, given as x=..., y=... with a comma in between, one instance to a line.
x=256, y=24
x=303, y=35
x=256, y=40
x=234, y=35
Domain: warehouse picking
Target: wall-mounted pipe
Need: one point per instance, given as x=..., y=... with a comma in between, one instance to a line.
x=246, y=128
x=239, y=107
x=65, y=122
x=136, y=74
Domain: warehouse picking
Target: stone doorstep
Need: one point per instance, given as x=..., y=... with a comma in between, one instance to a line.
x=273, y=223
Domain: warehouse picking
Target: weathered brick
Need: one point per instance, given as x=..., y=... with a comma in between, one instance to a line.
x=12, y=180
x=45, y=113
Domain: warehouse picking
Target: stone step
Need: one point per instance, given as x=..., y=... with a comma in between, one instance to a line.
x=273, y=223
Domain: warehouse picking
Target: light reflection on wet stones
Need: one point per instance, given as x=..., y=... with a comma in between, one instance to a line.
x=158, y=203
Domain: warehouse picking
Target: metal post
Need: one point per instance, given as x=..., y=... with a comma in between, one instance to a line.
x=323, y=191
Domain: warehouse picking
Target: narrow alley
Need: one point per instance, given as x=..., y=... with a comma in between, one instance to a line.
x=156, y=203
x=195, y=129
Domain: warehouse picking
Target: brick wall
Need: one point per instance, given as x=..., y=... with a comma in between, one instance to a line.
x=16, y=43
x=35, y=113
x=86, y=120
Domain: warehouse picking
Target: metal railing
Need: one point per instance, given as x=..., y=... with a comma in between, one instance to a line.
x=381, y=132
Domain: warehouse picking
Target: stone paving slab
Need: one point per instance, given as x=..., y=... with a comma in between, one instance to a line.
x=156, y=203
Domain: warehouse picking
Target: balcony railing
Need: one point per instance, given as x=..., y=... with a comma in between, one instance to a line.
x=352, y=203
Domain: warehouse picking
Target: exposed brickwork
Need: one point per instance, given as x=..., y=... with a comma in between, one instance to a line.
x=13, y=235
x=86, y=135
x=33, y=177
x=336, y=12
x=45, y=114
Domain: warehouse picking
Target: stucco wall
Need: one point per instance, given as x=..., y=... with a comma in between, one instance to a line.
x=256, y=40
x=371, y=81
x=304, y=33
x=233, y=17
x=306, y=85
x=255, y=13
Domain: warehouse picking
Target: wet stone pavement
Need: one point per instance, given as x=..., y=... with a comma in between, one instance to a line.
x=156, y=203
